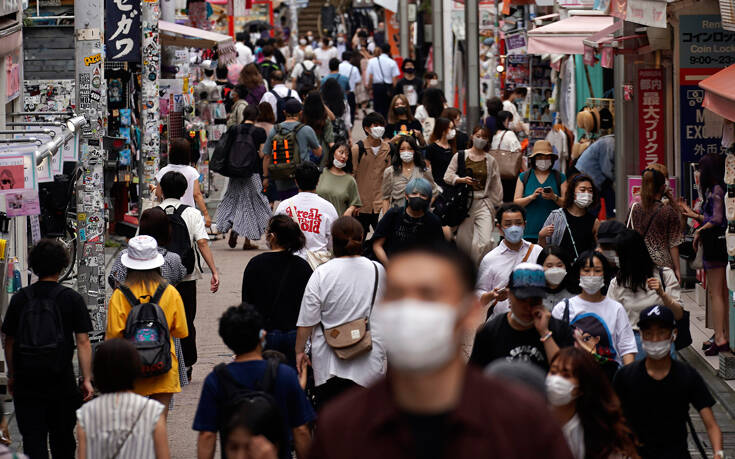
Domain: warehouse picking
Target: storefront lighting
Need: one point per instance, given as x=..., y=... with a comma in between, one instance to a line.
x=500, y=68
x=75, y=123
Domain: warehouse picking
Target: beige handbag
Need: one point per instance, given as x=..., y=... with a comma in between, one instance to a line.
x=509, y=162
x=352, y=339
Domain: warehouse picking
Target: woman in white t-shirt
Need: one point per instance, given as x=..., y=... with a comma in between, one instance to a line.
x=602, y=324
x=341, y=290
x=179, y=160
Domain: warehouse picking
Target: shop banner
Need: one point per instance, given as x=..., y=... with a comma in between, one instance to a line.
x=122, y=30
x=634, y=188
x=651, y=122
x=516, y=43
x=646, y=12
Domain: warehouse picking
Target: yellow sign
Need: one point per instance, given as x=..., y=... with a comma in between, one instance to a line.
x=92, y=59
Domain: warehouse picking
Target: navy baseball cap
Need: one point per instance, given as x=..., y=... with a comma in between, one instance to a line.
x=292, y=106
x=528, y=281
x=656, y=313
x=609, y=231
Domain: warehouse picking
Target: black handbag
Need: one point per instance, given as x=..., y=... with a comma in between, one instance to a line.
x=683, y=333
x=453, y=205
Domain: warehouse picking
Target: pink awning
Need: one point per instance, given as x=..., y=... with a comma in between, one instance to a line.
x=566, y=36
x=719, y=93
x=180, y=35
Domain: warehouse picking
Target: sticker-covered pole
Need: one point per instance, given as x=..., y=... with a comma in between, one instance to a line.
x=91, y=102
x=150, y=119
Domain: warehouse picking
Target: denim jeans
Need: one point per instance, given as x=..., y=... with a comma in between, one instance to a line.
x=282, y=341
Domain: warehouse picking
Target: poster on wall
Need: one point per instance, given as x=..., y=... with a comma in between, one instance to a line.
x=17, y=171
x=651, y=117
x=122, y=30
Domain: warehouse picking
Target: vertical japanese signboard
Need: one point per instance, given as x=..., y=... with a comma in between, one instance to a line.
x=122, y=30
x=651, y=138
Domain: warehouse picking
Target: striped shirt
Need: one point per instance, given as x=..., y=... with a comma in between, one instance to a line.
x=107, y=419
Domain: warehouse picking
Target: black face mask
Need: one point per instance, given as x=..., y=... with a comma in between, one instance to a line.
x=400, y=110
x=410, y=71
x=417, y=203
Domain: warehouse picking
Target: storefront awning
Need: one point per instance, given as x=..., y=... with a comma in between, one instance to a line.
x=719, y=93
x=566, y=36
x=180, y=35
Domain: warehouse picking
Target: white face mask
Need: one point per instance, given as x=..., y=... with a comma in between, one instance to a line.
x=302, y=41
x=555, y=275
x=451, y=134
x=433, y=83
x=519, y=321
x=657, y=350
x=405, y=325
x=377, y=132
x=543, y=164
x=559, y=390
x=591, y=284
x=583, y=200
x=612, y=257
x=338, y=164
x=406, y=156
x=479, y=142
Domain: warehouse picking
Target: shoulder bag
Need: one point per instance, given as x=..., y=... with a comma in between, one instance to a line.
x=509, y=162
x=453, y=205
x=353, y=338
x=314, y=258
x=683, y=332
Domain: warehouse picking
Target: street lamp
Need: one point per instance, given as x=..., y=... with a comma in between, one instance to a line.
x=76, y=122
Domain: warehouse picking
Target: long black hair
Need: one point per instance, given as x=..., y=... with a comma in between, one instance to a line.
x=433, y=101
x=562, y=255
x=334, y=96
x=333, y=149
x=636, y=265
x=314, y=114
x=711, y=172
x=586, y=259
x=418, y=158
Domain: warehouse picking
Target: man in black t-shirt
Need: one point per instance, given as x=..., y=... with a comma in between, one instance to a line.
x=527, y=332
x=656, y=393
x=402, y=227
x=46, y=399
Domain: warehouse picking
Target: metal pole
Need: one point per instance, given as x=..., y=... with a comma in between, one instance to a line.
x=150, y=150
x=293, y=12
x=404, y=29
x=621, y=204
x=472, y=41
x=91, y=100
x=437, y=32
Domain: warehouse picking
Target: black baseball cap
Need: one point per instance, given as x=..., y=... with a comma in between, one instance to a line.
x=292, y=107
x=608, y=231
x=657, y=313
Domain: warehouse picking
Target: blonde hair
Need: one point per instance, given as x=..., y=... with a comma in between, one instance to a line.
x=653, y=181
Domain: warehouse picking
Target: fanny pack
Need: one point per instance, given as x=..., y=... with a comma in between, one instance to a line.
x=352, y=339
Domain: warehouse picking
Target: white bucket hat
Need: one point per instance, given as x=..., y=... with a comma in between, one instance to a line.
x=142, y=254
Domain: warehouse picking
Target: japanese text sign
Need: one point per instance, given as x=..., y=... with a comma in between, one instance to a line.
x=651, y=127
x=122, y=30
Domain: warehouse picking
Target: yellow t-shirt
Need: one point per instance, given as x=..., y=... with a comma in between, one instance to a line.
x=173, y=308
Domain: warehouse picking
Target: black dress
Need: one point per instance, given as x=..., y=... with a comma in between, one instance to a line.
x=581, y=228
x=439, y=158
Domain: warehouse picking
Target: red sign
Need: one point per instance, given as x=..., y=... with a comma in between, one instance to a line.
x=651, y=139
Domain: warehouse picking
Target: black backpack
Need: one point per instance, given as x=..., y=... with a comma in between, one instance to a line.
x=266, y=68
x=147, y=328
x=281, y=105
x=39, y=341
x=242, y=159
x=453, y=205
x=307, y=80
x=180, y=241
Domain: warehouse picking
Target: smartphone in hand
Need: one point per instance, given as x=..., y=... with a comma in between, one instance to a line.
x=547, y=189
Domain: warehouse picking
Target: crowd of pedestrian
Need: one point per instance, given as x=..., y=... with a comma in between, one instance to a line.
x=391, y=249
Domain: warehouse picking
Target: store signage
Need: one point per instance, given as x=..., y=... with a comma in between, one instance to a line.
x=647, y=12
x=12, y=86
x=651, y=114
x=516, y=43
x=122, y=30
x=634, y=187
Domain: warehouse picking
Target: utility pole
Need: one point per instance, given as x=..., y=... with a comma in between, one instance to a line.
x=91, y=101
x=151, y=118
x=404, y=29
x=437, y=38
x=621, y=196
x=472, y=41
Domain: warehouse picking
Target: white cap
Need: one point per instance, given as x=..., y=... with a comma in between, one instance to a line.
x=142, y=254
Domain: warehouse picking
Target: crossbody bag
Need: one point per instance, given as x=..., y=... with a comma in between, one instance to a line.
x=353, y=338
x=314, y=258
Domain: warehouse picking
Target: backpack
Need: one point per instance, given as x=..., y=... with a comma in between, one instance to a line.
x=147, y=328
x=242, y=158
x=232, y=394
x=453, y=205
x=180, y=241
x=39, y=341
x=281, y=105
x=307, y=80
x=339, y=129
x=266, y=68
x=286, y=154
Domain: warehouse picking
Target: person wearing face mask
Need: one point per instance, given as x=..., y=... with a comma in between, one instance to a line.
x=592, y=274
x=510, y=96
x=586, y=406
x=506, y=139
x=241, y=329
x=430, y=404
x=280, y=306
x=497, y=265
x=410, y=85
x=401, y=121
x=407, y=164
x=474, y=233
x=441, y=148
x=540, y=189
x=409, y=225
x=382, y=74
x=300, y=51
x=656, y=393
x=598, y=162
x=341, y=291
x=370, y=157
x=336, y=184
x=461, y=139
x=639, y=283
x=526, y=332
x=573, y=227
x=556, y=264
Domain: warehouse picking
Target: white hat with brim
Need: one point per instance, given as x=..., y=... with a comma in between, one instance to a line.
x=142, y=254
